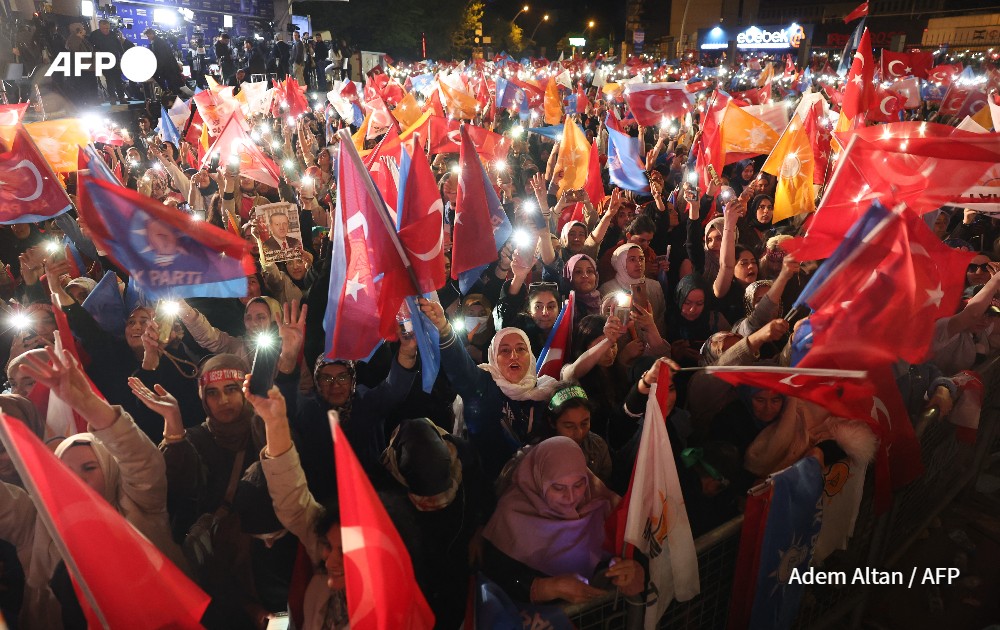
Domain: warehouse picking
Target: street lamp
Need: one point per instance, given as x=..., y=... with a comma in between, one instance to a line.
x=524, y=9
x=545, y=18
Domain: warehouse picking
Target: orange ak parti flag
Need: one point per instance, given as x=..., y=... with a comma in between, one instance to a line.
x=574, y=157
x=127, y=582
x=552, y=105
x=792, y=163
x=382, y=590
x=407, y=111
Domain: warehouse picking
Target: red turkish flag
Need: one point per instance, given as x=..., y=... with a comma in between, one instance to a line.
x=29, y=191
x=12, y=114
x=944, y=74
x=819, y=141
x=652, y=102
x=905, y=260
x=888, y=104
x=897, y=461
x=909, y=89
x=895, y=65
x=443, y=137
x=234, y=141
x=709, y=146
x=925, y=165
x=383, y=165
x=953, y=100
x=974, y=101
x=860, y=90
x=121, y=571
x=859, y=11
x=293, y=95
x=921, y=62
x=755, y=96
x=382, y=591
x=535, y=95
x=422, y=229
x=844, y=393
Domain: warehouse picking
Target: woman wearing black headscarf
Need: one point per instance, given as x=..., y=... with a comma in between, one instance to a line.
x=692, y=319
x=755, y=227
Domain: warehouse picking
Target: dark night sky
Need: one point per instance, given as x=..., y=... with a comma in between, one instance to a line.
x=565, y=15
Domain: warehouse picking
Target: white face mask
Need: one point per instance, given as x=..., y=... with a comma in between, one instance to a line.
x=471, y=323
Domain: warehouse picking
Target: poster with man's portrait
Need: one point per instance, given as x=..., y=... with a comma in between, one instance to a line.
x=279, y=232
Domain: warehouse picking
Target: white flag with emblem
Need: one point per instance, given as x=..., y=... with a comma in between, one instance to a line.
x=657, y=522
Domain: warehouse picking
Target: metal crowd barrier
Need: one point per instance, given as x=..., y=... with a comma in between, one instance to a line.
x=950, y=467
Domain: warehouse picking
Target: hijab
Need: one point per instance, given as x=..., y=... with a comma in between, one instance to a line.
x=619, y=259
x=231, y=436
x=752, y=212
x=679, y=326
x=21, y=408
x=107, y=462
x=526, y=528
x=564, y=234
x=421, y=458
x=531, y=387
x=591, y=300
x=718, y=223
x=345, y=410
x=750, y=291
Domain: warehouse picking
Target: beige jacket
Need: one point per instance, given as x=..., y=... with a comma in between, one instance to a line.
x=298, y=511
x=214, y=340
x=142, y=496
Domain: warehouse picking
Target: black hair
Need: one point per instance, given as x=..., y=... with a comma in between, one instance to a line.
x=572, y=403
x=640, y=225
x=587, y=330
x=329, y=516
x=538, y=289
x=740, y=249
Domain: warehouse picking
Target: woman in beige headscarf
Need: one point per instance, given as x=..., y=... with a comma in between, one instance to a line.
x=115, y=459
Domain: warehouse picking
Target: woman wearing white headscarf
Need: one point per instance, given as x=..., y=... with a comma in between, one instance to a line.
x=115, y=459
x=630, y=278
x=504, y=401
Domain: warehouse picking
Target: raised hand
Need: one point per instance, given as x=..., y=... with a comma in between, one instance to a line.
x=270, y=408
x=292, y=330
x=158, y=400
x=613, y=329
x=434, y=312
x=59, y=371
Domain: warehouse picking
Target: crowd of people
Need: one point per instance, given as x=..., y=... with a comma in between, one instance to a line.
x=181, y=66
x=497, y=468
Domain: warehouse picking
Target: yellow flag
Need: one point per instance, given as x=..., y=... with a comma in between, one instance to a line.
x=459, y=104
x=766, y=75
x=743, y=132
x=792, y=162
x=552, y=103
x=984, y=118
x=359, y=136
x=213, y=85
x=574, y=157
x=407, y=111
x=58, y=140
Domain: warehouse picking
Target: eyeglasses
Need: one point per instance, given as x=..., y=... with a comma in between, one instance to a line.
x=507, y=351
x=340, y=379
x=984, y=267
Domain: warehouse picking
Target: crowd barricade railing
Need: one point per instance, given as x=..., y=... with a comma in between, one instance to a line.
x=950, y=467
